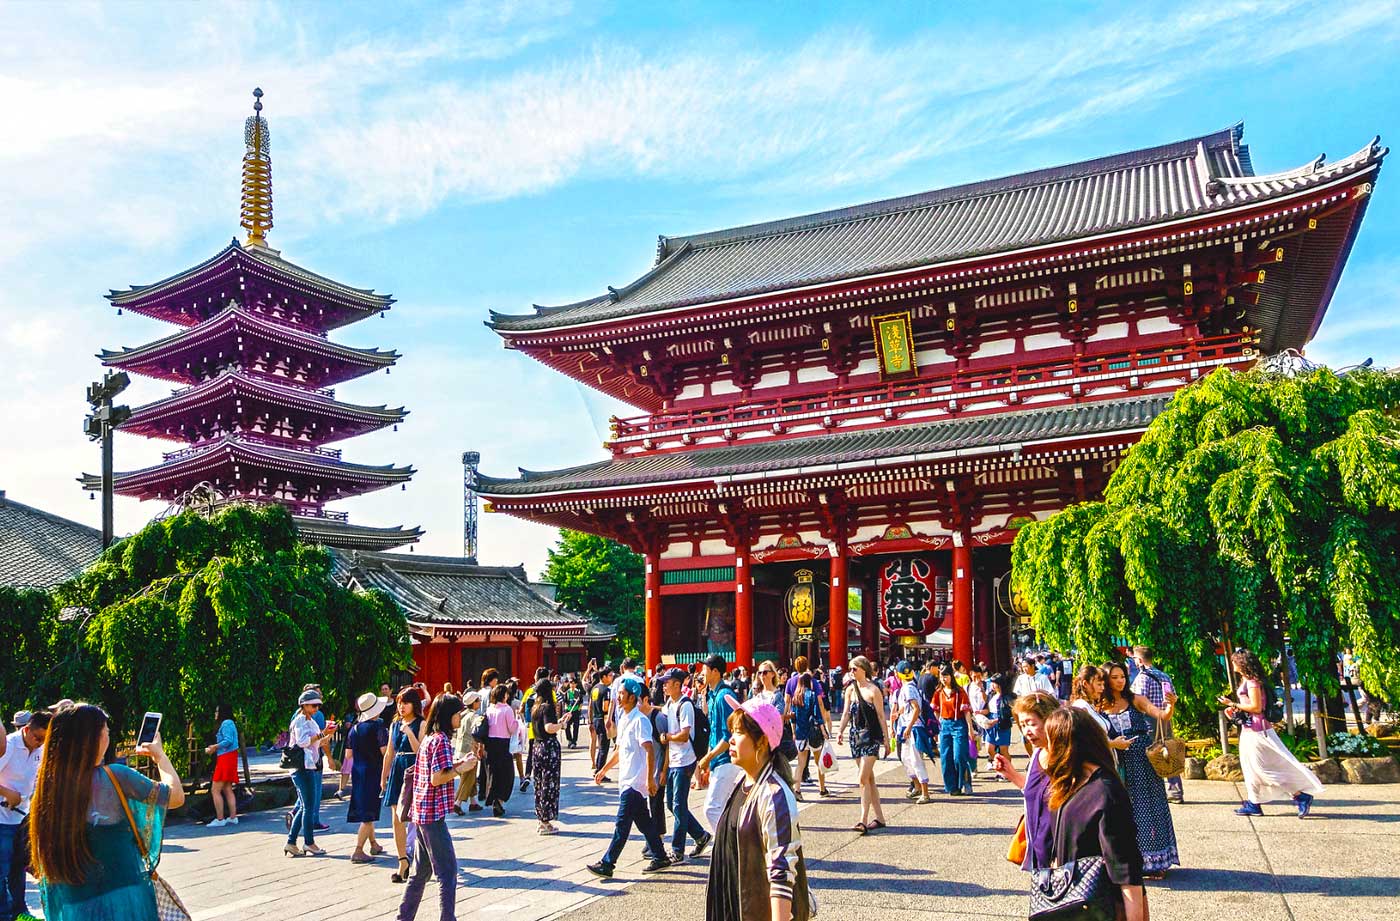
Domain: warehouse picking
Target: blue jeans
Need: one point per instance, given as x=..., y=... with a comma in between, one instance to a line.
x=433, y=856
x=678, y=801
x=952, y=753
x=316, y=797
x=308, y=798
x=633, y=808
x=14, y=857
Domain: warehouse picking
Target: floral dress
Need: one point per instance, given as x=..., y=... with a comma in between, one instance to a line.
x=1155, y=834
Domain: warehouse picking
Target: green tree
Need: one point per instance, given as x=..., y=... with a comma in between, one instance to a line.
x=1256, y=505
x=192, y=611
x=601, y=578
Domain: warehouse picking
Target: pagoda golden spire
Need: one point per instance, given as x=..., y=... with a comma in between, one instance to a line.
x=256, y=213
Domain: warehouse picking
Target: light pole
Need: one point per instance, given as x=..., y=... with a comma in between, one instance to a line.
x=99, y=425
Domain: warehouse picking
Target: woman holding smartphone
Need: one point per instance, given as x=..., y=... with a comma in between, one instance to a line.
x=306, y=734
x=86, y=817
x=1270, y=770
x=433, y=775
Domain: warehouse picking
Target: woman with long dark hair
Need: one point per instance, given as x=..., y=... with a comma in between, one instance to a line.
x=544, y=719
x=433, y=775
x=1086, y=693
x=405, y=735
x=757, y=871
x=1093, y=816
x=1127, y=714
x=225, y=752
x=1270, y=770
x=502, y=728
x=82, y=846
x=865, y=711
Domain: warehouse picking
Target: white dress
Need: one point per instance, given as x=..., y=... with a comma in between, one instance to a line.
x=1270, y=770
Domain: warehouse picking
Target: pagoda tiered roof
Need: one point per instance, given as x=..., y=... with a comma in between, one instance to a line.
x=1102, y=206
x=244, y=337
x=238, y=401
x=334, y=530
x=241, y=468
x=252, y=275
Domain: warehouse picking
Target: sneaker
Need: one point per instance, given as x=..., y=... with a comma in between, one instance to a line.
x=647, y=854
x=498, y=810
x=475, y=807
x=912, y=794
x=703, y=843
x=1248, y=808
x=1304, y=803
x=232, y=821
x=677, y=858
x=601, y=869
x=215, y=823
x=924, y=800
x=524, y=785
x=322, y=826
x=657, y=865
x=1176, y=798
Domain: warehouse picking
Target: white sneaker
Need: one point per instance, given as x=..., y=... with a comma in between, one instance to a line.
x=232, y=821
x=216, y=823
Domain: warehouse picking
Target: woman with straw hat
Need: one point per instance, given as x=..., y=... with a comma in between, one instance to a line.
x=367, y=744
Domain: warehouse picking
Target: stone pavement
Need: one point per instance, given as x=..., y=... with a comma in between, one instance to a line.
x=938, y=861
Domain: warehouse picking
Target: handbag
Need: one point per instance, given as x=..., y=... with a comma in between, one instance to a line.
x=481, y=731
x=1080, y=890
x=1166, y=755
x=826, y=760
x=293, y=758
x=1016, y=851
x=168, y=904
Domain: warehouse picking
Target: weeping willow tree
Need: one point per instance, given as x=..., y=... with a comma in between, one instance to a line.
x=195, y=611
x=1256, y=507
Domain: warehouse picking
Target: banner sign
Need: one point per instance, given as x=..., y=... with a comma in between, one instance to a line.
x=913, y=601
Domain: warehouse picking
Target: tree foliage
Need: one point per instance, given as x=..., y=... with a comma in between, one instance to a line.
x=1255, y=506
x=600, y=578
x=191, y=612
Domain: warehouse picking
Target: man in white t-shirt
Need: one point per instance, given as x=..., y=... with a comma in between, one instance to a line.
x=909, y=708
x=635, y=758
x=19, y=769
x=680, y=752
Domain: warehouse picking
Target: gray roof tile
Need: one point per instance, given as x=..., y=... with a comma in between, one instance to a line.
x=1116, y=193
x=41, y=550
x=1100, y=417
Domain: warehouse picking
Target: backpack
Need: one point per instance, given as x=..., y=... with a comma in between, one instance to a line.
x=700, y=733
x=1004, y=714
x=928, y=716
x=1273, y=706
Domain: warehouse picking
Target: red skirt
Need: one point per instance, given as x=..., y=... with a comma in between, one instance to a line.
x=226, y=768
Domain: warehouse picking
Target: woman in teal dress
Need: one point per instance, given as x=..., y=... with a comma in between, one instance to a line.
x=82, y=847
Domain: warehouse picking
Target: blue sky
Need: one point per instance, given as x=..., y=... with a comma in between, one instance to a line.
x=468, y=157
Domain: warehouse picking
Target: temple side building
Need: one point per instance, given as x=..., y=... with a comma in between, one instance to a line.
x=877, y=397
x=254, y=366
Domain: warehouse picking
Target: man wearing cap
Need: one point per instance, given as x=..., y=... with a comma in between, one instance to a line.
x=680, y=753
x=911, y=731
x=19, y=768
x=635, y=758
x=713, y=772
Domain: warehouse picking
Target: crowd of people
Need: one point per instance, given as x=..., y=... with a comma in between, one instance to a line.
x=746, y=743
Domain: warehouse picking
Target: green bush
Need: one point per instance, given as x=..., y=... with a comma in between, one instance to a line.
x=1347, y=745
x=1303, y=747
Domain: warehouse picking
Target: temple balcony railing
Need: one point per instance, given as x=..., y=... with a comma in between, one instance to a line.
x=1065, y=377
x=269, y=376
x=253, y=438
x=322, y=514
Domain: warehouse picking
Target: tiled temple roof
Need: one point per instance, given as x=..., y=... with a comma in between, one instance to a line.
x=856, y=448
x=41, y=550
x=1185, y=179
x=345, y=536
x=443, y=591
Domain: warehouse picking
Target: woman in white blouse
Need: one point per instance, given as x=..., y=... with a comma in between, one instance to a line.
x=306, y=735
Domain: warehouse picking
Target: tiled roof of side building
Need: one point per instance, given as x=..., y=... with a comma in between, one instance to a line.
x=1131, y=190
x=1086, y=419
x=447, y=591
x=39, y=549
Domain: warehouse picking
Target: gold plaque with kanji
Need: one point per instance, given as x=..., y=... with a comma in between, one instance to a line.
x=894, y=344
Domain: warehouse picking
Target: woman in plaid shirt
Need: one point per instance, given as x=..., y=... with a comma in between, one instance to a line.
x=434, y=772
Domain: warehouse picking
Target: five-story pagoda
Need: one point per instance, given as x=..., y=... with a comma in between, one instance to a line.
x=255, y=364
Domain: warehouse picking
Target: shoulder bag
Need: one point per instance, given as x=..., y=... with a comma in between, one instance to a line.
x=1080, y=890
x=168, y=904
x=1166, y=755
x=1016, y=851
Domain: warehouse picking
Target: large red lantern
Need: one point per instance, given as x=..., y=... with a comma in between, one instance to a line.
x=912, y=602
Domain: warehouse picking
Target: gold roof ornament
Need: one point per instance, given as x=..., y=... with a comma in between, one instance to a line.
x=256, y=207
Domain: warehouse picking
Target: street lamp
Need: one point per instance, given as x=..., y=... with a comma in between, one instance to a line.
x=98, y=426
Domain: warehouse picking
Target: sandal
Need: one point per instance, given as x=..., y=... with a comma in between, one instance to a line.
x=375, y=849
x=401, y=875
x=860, y=827
x=878, y=823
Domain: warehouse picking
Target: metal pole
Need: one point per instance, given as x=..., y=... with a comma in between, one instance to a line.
x=107, y=523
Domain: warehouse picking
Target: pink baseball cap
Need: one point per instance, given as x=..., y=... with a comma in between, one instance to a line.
x=768, y=719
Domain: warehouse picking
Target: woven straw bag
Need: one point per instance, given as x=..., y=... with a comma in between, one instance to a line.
x=168, y=904
x=1166, y=755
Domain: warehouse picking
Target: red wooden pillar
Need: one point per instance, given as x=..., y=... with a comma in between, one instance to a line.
x=962, y=598
x=743, y=607
x=837, y=627
x=653, y=610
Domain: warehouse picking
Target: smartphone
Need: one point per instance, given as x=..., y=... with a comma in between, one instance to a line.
x=150, y=725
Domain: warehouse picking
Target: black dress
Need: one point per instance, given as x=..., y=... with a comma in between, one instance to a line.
x=722, y=894
x=366, y=743
x=1097, y=821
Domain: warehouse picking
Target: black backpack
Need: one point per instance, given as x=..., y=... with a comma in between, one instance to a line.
x=700, y=734
x=1003, y=713
x=1273, y=705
